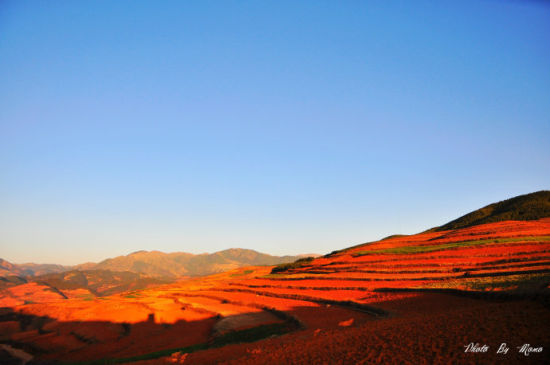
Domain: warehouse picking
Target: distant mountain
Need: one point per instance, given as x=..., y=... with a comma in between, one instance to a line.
x=7, y=269
x=521, y=208
x=135, y=271
x=160, y=264
x=41, y=269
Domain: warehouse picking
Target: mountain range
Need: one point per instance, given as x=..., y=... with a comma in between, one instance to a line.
x=158, y=264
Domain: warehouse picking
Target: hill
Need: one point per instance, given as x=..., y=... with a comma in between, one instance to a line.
x=520, y=208
x=177, y=264
x=490, y=280
x=8, y=269
x=97, y=282
x=42, y=269
x=370, y=303
x=87, y=285
x=157, y=264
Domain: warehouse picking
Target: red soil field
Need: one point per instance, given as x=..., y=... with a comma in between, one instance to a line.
x=422, y=300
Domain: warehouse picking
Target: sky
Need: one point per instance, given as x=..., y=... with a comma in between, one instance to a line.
x=281, y=126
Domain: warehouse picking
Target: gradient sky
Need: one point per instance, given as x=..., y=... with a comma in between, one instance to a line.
x=285, y=127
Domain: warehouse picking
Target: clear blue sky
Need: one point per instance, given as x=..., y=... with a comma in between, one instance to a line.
x=285, y=127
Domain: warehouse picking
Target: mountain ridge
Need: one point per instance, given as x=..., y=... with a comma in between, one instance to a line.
x=157, y=263
x=524, y=207
x=176, y=264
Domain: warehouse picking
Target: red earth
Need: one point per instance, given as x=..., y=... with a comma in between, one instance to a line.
x=405, y=300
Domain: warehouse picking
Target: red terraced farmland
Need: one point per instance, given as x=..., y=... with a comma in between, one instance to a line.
x=339, y=305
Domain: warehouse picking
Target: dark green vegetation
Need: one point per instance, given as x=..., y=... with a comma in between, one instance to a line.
x=245, y=272
x=293, y=265
x=519, y=283
x=446, y=246
x=511, y=286
x=247, y=335
x=521, y=208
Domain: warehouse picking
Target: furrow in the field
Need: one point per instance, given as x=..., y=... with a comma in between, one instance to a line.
x=458, y=261
x=387, y=269
x=423, y=268
x=450, y=256
x=297, y=287
x=325, y=278
x=433, y=245
x=334, y=294
x=534, y=264
x=311, y=314
x=475, y=254
x=390, y=276
x=455, y=248
x=329, y=284
x=514, y=271
x=419, y=277
x=500, y=229
x=253, y=299
x=215, y=305
x=342, y=303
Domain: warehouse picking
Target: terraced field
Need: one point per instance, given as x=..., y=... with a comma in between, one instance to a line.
x=369, y=303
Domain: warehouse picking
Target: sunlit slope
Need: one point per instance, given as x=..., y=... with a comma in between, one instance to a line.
x=504, y=255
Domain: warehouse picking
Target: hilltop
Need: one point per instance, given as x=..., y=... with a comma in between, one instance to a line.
x=520, y=208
